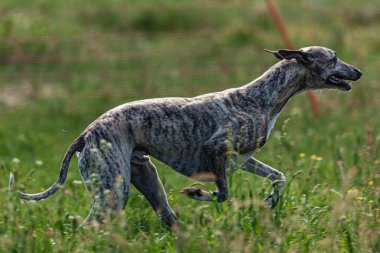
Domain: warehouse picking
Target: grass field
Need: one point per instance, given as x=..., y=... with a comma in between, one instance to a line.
x=63, y=63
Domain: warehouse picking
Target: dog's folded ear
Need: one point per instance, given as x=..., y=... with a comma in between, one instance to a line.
x=285, y=54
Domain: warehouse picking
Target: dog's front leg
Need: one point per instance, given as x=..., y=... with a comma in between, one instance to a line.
x=215, y=150
x=278, y=179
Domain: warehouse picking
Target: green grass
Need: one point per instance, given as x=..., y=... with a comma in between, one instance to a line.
x=62, y=64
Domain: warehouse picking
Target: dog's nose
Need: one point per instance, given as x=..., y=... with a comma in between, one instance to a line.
x=358, y=74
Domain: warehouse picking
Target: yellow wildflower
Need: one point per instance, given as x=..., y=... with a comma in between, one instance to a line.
x=370, y=182
x=353, y=192
x=302, y=155
x=359, y=198
x=316, y=158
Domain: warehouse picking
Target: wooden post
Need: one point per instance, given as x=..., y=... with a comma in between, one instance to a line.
x=285, y=37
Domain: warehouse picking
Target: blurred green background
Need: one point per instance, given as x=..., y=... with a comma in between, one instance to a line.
x=63, y=63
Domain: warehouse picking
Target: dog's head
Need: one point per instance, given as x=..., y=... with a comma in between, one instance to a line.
x=322, y=64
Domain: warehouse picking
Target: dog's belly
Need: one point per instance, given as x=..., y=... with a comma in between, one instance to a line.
x=190, y=164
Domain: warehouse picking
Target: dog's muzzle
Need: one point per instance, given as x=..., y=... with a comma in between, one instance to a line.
x=339, y=80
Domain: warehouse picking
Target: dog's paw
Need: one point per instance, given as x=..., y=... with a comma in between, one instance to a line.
x=197, y=194
x=170, y=220
x=272, y=200
x=220, y=197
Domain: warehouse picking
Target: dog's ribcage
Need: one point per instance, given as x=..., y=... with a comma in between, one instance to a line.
x=174, y=130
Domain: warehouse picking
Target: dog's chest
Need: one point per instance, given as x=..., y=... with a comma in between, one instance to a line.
x=271, y=123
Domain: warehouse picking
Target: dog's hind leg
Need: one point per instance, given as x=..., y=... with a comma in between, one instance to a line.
x=106, y=176
x=145, y=178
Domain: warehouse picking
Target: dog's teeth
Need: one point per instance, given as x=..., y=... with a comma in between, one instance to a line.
x=335, y=79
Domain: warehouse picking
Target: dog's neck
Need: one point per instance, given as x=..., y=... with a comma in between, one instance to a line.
x=276, y=86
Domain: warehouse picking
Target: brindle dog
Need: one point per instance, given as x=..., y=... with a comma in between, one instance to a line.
x=194, y=136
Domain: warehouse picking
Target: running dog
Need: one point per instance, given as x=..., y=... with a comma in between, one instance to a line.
x=194, y=136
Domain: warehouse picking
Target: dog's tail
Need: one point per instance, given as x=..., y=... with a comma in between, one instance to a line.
x=77, y=145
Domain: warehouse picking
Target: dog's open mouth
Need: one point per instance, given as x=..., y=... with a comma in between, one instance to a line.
x=339, y=82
